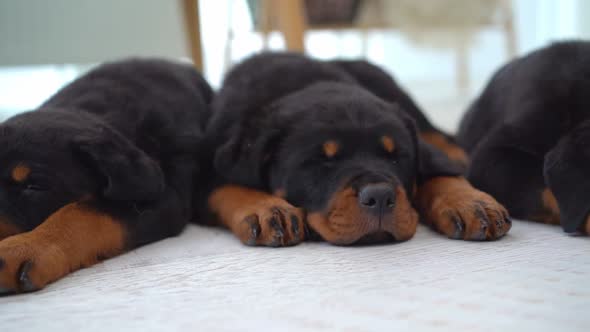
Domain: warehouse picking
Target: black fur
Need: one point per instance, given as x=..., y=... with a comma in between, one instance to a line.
x=274, y=112
x=124, y=134
x=529, y=130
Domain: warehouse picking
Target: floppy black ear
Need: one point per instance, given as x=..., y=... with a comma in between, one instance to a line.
x=244, y=158
x=430, y=161
x=565, y=171
x=129, y=172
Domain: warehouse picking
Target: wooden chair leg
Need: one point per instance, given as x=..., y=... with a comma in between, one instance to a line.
x=264, y=21
x=193, y=31
x=292, y=23
x=509, y=32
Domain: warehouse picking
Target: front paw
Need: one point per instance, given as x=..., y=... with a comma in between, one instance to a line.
x=469, y=215
x=271, y=222
x=19, y=267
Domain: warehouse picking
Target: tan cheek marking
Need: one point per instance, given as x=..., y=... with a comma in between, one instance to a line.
x=331, y=148
x=343, y=222
x=405, y=217
x=388, y=143
x=20, y=173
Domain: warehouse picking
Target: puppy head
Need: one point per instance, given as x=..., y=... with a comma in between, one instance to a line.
x=52, y=158
x=347, y=157
x=567, y=174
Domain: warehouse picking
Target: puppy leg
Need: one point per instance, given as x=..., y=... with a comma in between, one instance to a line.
x=81, y=234
x=258, y=218
x=453, y=207
x=515, y=178
x=73, y=237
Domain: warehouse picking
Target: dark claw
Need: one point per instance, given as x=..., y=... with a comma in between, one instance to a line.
x=459, y=227
x=2, y=289
x=276, y=225
x=252, y=222
x=5, y=291
x=485, y=222
x=278, y=232
x=295, y=226
x=26, y=285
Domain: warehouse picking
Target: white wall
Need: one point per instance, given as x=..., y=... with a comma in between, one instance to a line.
x=537, y=22
x=88, y=31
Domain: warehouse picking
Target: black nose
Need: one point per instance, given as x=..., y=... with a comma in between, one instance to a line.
x=378, y=198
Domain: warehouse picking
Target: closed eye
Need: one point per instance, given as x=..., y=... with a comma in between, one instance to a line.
x=35, y=187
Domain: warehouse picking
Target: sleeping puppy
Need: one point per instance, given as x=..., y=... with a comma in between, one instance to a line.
x=528, y=135
x=105, y=165
x=303, y=151
x=384, y=86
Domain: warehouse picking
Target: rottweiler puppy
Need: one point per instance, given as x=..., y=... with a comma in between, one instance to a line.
x=105, y=165
x=384, y=86
x=528, y=135
x=303, y=151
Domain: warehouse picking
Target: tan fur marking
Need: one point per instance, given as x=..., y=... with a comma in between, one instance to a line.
x=237, y=207
x=20, y=172
x=550, y=213
x=444, y=201
x=331, y=148
x=344, y=222
x=73, y=237
x=388, y=143
x=453, y=151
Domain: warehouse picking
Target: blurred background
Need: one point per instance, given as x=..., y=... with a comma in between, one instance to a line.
x=441, y=51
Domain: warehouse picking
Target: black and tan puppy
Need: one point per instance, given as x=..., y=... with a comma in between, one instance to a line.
x=384, y=86
x=293, y=132
x=105, y=165
x=529, y=136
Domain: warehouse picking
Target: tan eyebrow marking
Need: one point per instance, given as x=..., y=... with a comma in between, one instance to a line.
x=331, y=148
x=20, y=172
x=388, y=143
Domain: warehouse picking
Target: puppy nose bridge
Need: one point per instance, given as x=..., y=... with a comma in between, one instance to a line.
x=377, y=199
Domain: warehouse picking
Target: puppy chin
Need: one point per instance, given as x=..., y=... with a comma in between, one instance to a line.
x=378, y=237
x=344, y=223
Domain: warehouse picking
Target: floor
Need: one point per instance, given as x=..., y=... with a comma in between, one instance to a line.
x=534, y=279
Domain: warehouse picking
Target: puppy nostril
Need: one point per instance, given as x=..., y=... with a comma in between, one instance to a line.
x=371, y=202
x=390, y=203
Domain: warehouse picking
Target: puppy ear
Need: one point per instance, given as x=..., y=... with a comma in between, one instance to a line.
x=565, y=171
x=129, y=172
x=430, y=161
x=245, y=157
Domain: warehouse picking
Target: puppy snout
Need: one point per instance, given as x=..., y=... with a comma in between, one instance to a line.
x=377, y=199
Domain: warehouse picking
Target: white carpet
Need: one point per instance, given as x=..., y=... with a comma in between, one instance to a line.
x=535, y=279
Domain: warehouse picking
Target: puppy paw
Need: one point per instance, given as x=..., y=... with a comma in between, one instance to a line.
x=470, y=216
x=272, y=222
x=20, y=267
x=456, y=209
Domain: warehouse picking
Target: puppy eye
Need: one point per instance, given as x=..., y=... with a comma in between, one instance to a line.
x=34, y=187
